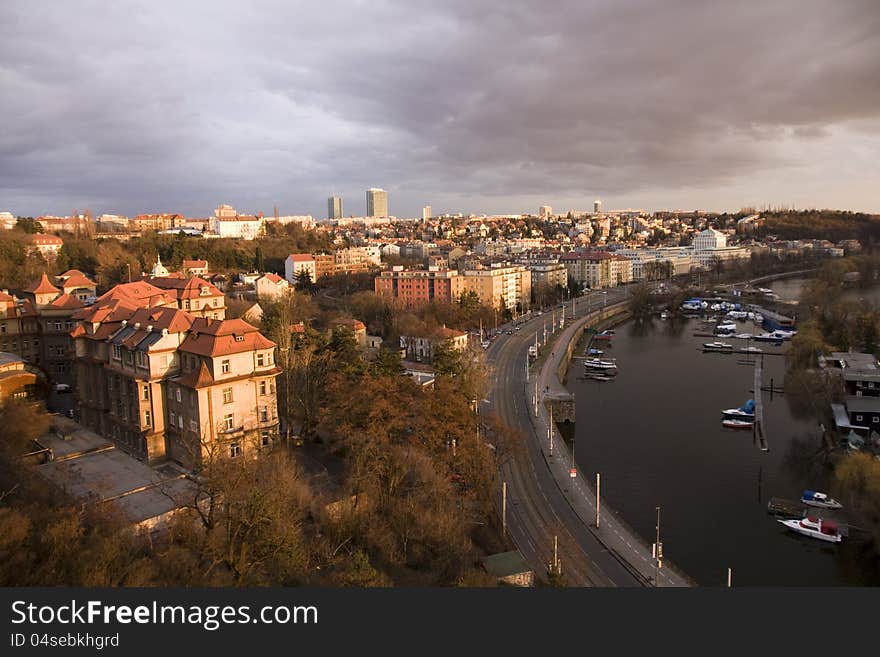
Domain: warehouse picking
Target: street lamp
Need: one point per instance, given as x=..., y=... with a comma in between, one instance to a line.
x=658, y=552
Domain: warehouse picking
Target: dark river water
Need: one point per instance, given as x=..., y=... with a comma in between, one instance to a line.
x=655, y=436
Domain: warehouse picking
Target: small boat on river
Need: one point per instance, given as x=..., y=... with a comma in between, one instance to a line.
x=821, y=500
x=824, y=530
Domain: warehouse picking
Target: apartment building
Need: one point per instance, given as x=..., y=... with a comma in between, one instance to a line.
x=195, y=295
x=195, y=267
x=598, y=269
x=161, y=221
x=165, y=384
x=414, y=288
x=226, y=222
x=506, y=286
x=47, y=246
x=19, y=327
x=298, y=263
x=271, y=286
x=548, y=274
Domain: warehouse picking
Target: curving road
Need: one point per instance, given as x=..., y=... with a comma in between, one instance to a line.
x=543, y=501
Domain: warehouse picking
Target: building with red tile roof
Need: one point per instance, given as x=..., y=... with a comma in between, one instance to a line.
x=165, y=383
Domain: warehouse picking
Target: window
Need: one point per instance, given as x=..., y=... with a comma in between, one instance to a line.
x=177, y=393
x=170, y=393
x=227, y=422
x=186, y=305
x=146, y=393
x=180, y=422
x=858, y=418
x=129, y=357
x=216, y=302
x=224, y=367
x=193, y=425
x=265, y=440
x=262, y=387
x=148, y=419
x=234, y=450
x=2, y=327
x=173, y=417
x=227, y=395
x=261, y=360
x=117, y=352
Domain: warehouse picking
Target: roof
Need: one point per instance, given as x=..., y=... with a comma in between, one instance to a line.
x=138, y=293
x=195, y=264
x=200, y=378
x=46, y=239
x=67, y=302
x=863, y=404
x=42, y=286
x=185, y=288
x=274, y=278
x=301, y=257
x=77, y=280
x=505, y=564
x=218, y=337
x=7, y=358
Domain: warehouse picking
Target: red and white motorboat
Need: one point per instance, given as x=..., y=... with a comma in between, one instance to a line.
x=824, y=530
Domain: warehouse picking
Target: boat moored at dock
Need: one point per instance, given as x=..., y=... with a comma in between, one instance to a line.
x=821, y=500
x=600, y=364
x=729, y=423
x=744, y=412
x=718, y=346
x=824, y=530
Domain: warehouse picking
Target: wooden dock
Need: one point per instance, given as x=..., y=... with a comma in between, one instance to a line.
x=758, y=426
x=778, y=506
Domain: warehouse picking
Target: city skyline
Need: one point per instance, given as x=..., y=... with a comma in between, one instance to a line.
x=642, y=105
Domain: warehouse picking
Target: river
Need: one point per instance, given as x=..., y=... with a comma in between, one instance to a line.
x=655, y=436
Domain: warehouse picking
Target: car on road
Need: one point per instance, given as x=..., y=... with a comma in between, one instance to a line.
x=63, y=387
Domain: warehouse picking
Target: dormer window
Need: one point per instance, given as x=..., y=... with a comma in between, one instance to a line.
x=239, y=338
x=205, y=291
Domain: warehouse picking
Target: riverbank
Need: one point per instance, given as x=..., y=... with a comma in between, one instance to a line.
x=618, y=538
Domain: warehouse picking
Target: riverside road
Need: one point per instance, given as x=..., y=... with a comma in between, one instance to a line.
x=543, y=501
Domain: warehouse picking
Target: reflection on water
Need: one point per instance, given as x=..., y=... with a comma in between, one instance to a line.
x=655, y=434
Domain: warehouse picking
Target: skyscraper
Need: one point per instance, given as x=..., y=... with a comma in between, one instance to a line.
x=377, y=202
x=427, y=213
x=334, y=207
x=597, y=206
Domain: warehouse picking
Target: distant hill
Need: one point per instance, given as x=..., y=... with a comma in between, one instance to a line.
x=834, y=225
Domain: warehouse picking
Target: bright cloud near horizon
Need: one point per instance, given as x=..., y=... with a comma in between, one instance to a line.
x=469, y=106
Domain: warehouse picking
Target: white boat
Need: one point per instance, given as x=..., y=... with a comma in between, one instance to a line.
x=717, y=346
x=744, y=336
x=600, y=364
x=599, y=376
x=824, y=530
x=821, y=500
x=592, y=351
x=737, y=424
x=737, y=314
x=744, y=412
x=768, y=337
x=753, y=350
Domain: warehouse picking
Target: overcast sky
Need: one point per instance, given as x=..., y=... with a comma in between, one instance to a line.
x=470, y=106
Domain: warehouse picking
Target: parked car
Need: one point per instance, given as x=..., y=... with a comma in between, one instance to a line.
x=63, y=387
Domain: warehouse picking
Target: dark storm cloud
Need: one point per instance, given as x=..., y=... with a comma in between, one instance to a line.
x=138, y=106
